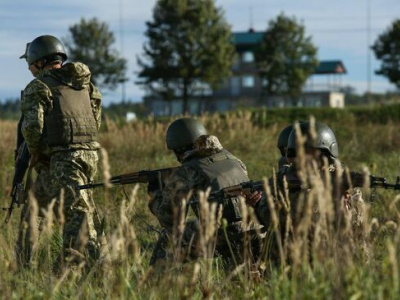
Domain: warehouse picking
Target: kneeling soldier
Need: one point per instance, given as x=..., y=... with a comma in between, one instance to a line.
x=205, y=165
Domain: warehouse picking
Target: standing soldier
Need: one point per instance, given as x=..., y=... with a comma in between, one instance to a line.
x=61, y=112
x=205, y=164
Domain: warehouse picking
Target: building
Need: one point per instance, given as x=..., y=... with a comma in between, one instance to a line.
x=245, y=87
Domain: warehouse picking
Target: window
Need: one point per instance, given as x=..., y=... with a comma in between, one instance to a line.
x=235, y=86
x=248, y=57
x=248, y=81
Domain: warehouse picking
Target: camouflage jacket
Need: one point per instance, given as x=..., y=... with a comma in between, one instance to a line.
x=37, y=99
x=184, y=181
x=295, y=191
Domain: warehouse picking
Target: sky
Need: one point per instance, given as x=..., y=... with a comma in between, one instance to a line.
x=338, y=28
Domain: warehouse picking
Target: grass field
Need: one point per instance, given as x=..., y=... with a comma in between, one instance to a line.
x=340, y=268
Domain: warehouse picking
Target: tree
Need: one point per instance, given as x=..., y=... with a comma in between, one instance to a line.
x=189, y=49
x=90, y=42
x=387, y=49
x=348, y=90
x=285, y=57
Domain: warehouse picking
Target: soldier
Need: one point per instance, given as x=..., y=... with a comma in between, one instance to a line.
x=322, y=147
x=283, y=163
x=312, y=158
x=61, y=112
x=205, y=164
x=282, y=146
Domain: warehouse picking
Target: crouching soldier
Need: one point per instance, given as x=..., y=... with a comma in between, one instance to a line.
x=206, y=165
x=315, y=195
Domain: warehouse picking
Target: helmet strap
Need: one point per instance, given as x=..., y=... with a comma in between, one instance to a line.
x=180, y=152
x=37, y=65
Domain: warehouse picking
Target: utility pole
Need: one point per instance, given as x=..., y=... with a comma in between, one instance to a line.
x=369, y=51
x=251, y=18
x=121, y=35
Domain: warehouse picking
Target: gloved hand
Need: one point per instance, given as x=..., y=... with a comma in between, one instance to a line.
x=253, y=198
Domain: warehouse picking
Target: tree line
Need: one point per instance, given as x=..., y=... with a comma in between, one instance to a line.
x=11, y=110
x=189, y=51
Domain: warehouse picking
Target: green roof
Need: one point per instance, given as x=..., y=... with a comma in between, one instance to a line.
x=330, y=67
x=247, y=38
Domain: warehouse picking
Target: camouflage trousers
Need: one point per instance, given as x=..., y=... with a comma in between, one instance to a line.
x=82, y=235
x=233, y=245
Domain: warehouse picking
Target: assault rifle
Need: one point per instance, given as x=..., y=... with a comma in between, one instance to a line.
x=360, y=180
x=247, y=188
x=154, y=177
x=22, y=158
x=353, y=179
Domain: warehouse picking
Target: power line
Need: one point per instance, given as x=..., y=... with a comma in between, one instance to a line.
x=349, y=18
x=344, y=30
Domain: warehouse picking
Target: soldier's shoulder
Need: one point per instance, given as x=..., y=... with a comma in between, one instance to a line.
x=185, y=170
x=186, y=174
x=76, y=67
x=35, y=86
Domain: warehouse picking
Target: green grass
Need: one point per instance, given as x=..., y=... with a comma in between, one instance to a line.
x=339, y=273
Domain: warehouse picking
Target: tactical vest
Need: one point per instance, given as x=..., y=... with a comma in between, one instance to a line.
x=71, y=120
x=222, y=170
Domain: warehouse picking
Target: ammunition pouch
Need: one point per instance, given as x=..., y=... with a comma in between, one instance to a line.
x=231, y=210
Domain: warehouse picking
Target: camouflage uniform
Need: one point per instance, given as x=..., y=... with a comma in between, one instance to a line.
x=192, y=177
x=61, y=166
x=353, y=209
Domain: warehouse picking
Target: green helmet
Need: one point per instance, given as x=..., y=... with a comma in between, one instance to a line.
x=283, y=139
x=324, y=140
x=42, y=47
x=184, y=132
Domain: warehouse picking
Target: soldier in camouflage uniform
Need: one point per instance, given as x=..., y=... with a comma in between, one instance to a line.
x=321, y=151
x=283, y=164
x=205, y=164
x=61, y=112
x=282, y=146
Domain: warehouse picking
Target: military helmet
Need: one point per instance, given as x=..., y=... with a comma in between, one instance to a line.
x=283, y=139
x=184, y=132
x=324, y=140
x=43, y=46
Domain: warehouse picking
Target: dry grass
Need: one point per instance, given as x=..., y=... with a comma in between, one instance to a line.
x=358, y=260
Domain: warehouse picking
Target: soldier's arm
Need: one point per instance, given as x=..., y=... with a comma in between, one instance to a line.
x=167, y=206
x=95, y=101
x=34, y=103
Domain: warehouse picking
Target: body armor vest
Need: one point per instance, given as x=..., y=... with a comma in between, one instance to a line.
x=71, y=120
x=222, y=170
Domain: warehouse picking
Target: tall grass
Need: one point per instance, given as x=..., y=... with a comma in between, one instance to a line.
x=358, y=260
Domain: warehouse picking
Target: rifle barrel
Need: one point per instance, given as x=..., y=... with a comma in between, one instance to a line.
x=90, y=186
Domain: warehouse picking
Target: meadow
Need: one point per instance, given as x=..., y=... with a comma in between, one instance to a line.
x=350, y=265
